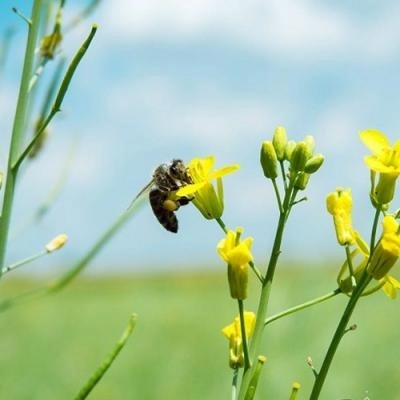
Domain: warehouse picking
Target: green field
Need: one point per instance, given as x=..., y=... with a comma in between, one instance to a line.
x=50, y=346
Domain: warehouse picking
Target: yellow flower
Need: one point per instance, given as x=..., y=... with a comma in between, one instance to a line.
x=339, y=205
x=208, y=201
x=388, y=249
x=384, y=160
x=237, y=254
x=383, y=259
x=233, y=333
x=390, y=285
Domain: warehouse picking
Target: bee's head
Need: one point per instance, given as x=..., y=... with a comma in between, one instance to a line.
x=177, y=168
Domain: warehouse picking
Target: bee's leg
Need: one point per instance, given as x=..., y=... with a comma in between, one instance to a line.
x=182, y=201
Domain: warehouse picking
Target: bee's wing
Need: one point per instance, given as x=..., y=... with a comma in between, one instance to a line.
x=141, y=195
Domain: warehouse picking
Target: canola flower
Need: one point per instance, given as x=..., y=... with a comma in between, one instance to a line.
x=233, y=333
x=385, y=255
x=383, y=259
x=237, y=253
x=339, y=205
x=208, y=200
x=385, y=160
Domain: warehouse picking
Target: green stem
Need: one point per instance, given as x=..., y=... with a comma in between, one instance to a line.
x=302, y=306
x=60, y=95
x=65, y=279
x=350, y=265
x=244, y=336
x=266, y=287
x=103, y=367
x=24, y=261
x=277, y=195
x=221, y=224
x=20, y=120
x=373, y=233
x=265, y=293
x=93, y=251
x=337, y=337
x=234, y=383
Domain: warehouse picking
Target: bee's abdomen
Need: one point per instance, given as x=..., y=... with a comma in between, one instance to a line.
x=165, y=217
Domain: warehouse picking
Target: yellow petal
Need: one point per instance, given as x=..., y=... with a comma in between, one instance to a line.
x=390, y=286
x=190, y=189
x=375, y=140
x=223, y=171
x=390, y=224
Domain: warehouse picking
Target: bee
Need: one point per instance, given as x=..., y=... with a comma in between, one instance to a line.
x=167, y=179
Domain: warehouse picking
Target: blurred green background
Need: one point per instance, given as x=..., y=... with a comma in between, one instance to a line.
x=52, y=345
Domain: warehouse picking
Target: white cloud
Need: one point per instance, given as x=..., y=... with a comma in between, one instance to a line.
x=290, y=28
x=211, y=117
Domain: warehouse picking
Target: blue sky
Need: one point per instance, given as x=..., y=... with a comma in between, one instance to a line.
x=182, y=79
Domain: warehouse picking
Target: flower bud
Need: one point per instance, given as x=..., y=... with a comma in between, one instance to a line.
x=290, y=145
x=310, y=141
x=279, y=140
x=268, y=159
x=314, y=163
x=56, y=243
x=49, y=44
x=233, y=333
x=237, y=254
x=387, y=250
x=339, y=205
x=384, y=190
x=301, y=181
x=300, y=155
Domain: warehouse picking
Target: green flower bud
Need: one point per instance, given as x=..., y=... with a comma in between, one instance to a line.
x=387, y=250
x=268, y=160
x=290, y=145
x=384, y=190
x=300, y=155
x=314, y=163
x=310, y=141
x=279, y=140
x=301, y=181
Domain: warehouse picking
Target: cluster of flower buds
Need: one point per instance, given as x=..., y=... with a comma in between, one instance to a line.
x=300, y=155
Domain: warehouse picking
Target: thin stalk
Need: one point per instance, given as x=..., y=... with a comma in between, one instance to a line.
x=277, y=195
x=65, y=279
x=221, y=224
x=105, y=365
x=265, y=293
x=18, y=128
x=244, y=336
x=60, y=95
x=302, y=306
x=343, y=323
x=338, y=335
x=26, y=260
x=373, y=234
x=234, y=383
x=93, y=251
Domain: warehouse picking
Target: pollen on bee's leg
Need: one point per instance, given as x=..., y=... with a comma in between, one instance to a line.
x=170, y=205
